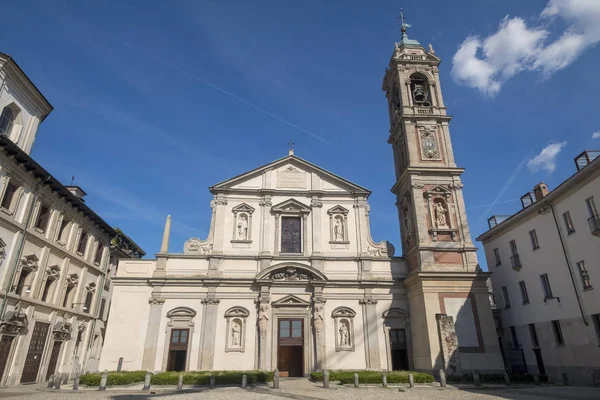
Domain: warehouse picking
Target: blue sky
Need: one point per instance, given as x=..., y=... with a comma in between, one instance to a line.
x=156, y=101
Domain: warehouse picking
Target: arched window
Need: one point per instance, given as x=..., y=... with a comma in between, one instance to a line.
x=419, y=88
x=7, y=118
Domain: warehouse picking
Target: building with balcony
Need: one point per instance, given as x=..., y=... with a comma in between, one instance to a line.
x=545, y=261
x=57, y=256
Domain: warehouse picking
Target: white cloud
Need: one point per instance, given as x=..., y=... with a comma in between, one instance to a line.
x=485, y=64
x=546, y=160
x=596, y=135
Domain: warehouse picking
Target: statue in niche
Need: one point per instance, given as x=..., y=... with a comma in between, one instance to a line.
x=235, y=334
x=344, y=334
x=338, y=230
x=406, y=219
x=440, y=215
x=242, y=227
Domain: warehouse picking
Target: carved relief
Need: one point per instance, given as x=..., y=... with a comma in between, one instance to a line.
x=448, y=343
x=14, y=322
x=195, y=245
x=91, y=287
x=2, y=249
x=62, y=331
x=290, y=274
x=344, y=328
x=156, y=300
x=263, y=319
x=318, y=318
x=53, y=272
x=439, y=210
x=72, y=280
x=30, y=263
x=440, y=214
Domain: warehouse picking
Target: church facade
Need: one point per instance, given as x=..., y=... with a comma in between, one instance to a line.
x=289, y=276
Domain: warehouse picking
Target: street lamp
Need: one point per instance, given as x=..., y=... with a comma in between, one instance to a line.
x=84, y=308
x=17, y=289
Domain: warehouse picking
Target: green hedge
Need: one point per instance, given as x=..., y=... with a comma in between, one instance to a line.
x=347, y=377
x=114, y=378
x=172, y=378
x=495, y=378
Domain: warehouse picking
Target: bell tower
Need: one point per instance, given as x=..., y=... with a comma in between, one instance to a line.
x=444, y=277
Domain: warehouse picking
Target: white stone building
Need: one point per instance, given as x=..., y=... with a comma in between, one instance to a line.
x=289, y=276
x=545, y=261
x=56, y=260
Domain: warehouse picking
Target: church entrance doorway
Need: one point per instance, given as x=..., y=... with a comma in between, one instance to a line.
x=290, y=347
x=399, y=350
x=178, y=346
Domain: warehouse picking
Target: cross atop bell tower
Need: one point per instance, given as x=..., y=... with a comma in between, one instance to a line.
x=434, y=228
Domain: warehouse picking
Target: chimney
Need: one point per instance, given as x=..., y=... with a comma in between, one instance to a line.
x=540, y=191
x=77, y=192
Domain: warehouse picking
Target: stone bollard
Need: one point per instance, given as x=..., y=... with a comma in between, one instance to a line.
x=180, y=382
x=276, y=379
x=355, y=380
x=65, y=378
x=76, y=382
x=147, y=379
x=476, y=379
x=565, y=379
x=103, y=380
x=442, y=378
x=244, y=381
x=120, y=364
x=57, y=383
x=507, y=379
x=383, y=380
x=411, y=380
x=326, y=379
x=212, y=381
x=536, y=380
x=51, y=382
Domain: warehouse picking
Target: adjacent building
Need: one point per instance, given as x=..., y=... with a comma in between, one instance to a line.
x=289, y=276
x=545, y=261
x=57, y=257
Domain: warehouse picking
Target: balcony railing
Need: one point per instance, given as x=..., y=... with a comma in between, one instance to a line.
x=594, y=222
x=515, y=261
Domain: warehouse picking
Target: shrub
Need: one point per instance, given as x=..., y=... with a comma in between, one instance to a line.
x=347, y=377
x=495, y=378
x=114, y=378
x=203, y=377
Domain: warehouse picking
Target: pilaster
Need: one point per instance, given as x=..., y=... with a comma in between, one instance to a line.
x=316, y=215
x=210, y=305
x=370, y=332
x=152, y=331
x=319, y=325
x=220, y=203
x=264, y=322
x=265, y=228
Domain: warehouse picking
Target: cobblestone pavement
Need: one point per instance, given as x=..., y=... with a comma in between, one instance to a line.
x=305, y=390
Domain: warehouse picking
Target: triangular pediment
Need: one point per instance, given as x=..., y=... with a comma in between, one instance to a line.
x=243, y=208
x=438, y=189
x=289, y=173
x=337, y=210
x=291, y=301
x=291, y=206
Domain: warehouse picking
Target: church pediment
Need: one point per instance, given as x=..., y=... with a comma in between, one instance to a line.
x=290, y=206
x=289, y=173
x=291, y=301
x=291, y=272
x=438, y=190
x=243, y=208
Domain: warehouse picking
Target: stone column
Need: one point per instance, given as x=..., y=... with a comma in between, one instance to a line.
x=317, y=237
x=152, y=331
x=448, y=343
x=210, y=306
x=264, y=314
x=370, y=332
x=265, y=229
x=319, y=324
x=220, y=202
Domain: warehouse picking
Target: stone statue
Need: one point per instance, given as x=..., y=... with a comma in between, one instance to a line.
x=235, y=334
x=242, y=227
x=440, y=218
x=344, y=335
x=338, y=230
x=431, y=51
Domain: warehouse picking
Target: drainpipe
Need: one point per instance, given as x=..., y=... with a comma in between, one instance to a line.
x=21, y=245
x=569, y=266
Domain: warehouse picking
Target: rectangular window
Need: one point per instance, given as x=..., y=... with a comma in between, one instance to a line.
x=515, y=338
x=546, y=286
x=291, y=235
x=98, y=256
x=497, y=257
x=591, y=206
x=284, y=328
x=596, y=319
x=524, y=294
x=82, y=243
x=534, y=336
x=513, y=248
x=558, y=336
x=41, y=222
x=505, y=297
x=102, y=305
x=63, y=232
x=534, y=240
x=9, y=195
x=88, y=302
x=568, y=223
x=585, y=276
